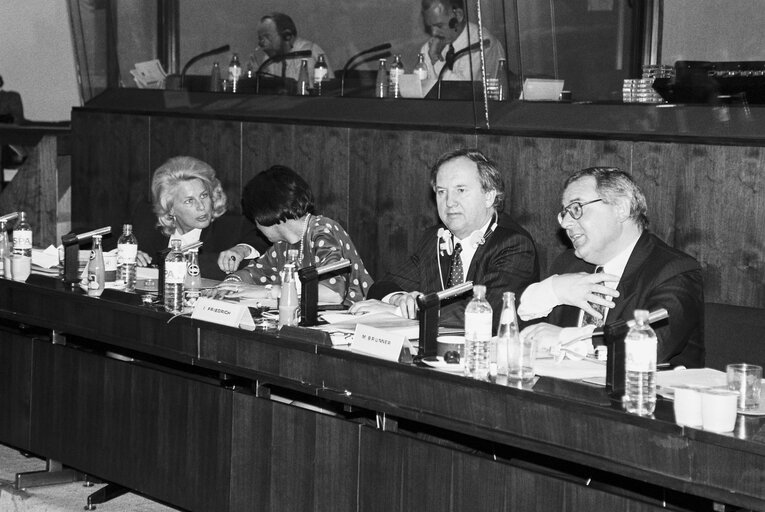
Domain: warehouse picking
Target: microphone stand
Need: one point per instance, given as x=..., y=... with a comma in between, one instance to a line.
x=71, y=245
x=199, y=57
x=460, y=53
x=353, y=61
x=277, y=58
x=429, y=310
x=309, y=298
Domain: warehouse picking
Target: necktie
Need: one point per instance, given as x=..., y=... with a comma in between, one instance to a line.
x=588, y=319
x=450, y=58
x=456, y=274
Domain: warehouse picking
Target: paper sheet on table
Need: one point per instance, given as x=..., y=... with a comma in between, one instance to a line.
x=706, y=377
x=348, y=322
x=541, y=89
x=569, y=369
x=411, y=86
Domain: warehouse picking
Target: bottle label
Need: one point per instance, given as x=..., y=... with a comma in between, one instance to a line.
x=640, y=354
x=126, y=253
x=192, y=270
x=175, y=271
x=234, y=72
x=478, y=326
x=395, y=75
x=22, y=239
x=319, y=74
x=421, y=73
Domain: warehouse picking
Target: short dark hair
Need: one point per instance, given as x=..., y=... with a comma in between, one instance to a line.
x=613, y=183
x=275, y=195
x=449, y=4
x=283, y=23
x=488, y=174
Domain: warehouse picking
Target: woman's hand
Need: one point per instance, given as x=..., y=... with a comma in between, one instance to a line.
x=229, y=260
x=142, y=259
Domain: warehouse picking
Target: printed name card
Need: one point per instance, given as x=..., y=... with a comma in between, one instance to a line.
x=224, y=313
x=376, y=342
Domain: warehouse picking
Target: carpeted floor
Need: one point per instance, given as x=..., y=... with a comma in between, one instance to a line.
x=57, y=498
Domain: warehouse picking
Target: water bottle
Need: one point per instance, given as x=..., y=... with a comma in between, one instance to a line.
x=302, y=83
x=394, y=77
x=215, y=78
x=420, y=69
x=234, y=72
x=96, y=270
x=127, y=251
x=251, y=66
x=381, y=82
x=289, y=311
x=478, y=319
x=175, y=273
x=503, y=81
x=4, y=248
x=192, y=284
x=22, y=248
x=320, y=74
x=640, y=346
x=521, y=353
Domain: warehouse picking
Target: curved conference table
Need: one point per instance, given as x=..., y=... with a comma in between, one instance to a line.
x=211, y=418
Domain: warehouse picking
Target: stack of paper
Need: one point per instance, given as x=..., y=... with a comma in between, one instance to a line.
x=149, y=75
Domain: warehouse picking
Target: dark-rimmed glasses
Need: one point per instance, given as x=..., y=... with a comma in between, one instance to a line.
x=575, y=210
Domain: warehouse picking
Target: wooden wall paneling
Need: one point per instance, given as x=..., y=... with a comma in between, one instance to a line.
x=390, y=194
x=110, y=160
x=217, y=142
x=381, y=471
x=251, y=440
x=336, y=465
x=179, y=428
x=321, y=157
x=721, y=214
x=657, y=169
x=16, y=383
x=264, y=145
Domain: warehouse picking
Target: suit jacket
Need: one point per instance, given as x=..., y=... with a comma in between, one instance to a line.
x=656, y=276
x=506, y=262
x=223, y=233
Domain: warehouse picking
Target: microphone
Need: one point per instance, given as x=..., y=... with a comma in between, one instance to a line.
x=429, y=309
x=354, y=60
x=309, y=299
x=283, y=56
x=201, y=56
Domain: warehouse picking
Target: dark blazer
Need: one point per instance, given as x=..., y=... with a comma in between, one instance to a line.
x=656, y=276
x=507, y=262
x=223, y=233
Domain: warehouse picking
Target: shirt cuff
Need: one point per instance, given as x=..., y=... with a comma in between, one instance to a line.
x=252, y=252
x=388, y=297
x=538, y=300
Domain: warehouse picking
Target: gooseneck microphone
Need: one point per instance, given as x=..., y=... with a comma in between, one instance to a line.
x=283, y=56
x=373, y=53
x=197, y=58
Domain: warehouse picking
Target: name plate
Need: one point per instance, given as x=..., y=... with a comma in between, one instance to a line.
x=224, y=313
x=379, y=343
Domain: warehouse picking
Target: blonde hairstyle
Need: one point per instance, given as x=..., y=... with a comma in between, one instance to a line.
x=169, y=175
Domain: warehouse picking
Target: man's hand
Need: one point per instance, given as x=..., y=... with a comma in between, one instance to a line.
x=229, y=260
x=407, y=304
x=545, y=337
x=435, y=47
x=583, y=289
x=364, y=307
x=142, y=259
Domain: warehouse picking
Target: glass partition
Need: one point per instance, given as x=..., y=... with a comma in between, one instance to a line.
x=569, y=50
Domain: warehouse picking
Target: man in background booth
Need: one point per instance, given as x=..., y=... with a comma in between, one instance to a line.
x=475, y=242
x=278, y=36
x=615, y=266
x=450, y=32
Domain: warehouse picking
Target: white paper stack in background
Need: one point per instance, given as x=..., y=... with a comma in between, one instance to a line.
x=149, y=75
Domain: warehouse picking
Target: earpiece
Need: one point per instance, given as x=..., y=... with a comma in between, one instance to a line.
x=453, y=22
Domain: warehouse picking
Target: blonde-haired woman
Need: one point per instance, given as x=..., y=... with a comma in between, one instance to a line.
x=189, y=204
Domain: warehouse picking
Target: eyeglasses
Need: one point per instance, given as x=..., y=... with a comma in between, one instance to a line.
x=574, y=209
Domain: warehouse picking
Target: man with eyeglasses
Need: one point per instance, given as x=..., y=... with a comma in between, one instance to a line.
x=615, y=266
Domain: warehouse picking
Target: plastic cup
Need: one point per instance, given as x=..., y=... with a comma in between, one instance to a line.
x=21, y=267
x=718, y=409
x=687, y=406
x=746, y=380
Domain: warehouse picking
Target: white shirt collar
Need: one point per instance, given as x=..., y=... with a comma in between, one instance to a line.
x=475, y=237
x=187, y=238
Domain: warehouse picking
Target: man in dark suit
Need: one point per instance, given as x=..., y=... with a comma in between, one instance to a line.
x=476, y=241
x=604, y=215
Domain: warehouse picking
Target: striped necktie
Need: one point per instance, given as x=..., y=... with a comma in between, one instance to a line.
x=586, y=318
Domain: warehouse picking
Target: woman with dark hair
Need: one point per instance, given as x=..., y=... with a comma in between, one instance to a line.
x=280, y=203
x=189, y=204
